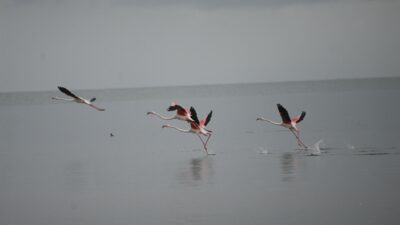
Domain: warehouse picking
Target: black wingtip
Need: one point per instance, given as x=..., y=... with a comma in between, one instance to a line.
x=67, y=92
x=303, y=114
x=280, y=107
x=193, y=115
x=63, y=90
x=284, y=113
x=208, y=119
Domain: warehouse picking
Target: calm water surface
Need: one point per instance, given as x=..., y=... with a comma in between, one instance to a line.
x=59, y=165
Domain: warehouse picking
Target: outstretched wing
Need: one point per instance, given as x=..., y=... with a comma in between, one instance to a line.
x=284, y=114
x=67, y=92
x=298, y=119
x=193, y=115
x=208, y=118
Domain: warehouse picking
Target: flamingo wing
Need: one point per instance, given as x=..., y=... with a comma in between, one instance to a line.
x=194, y=126
x=67, y=92
x=298, y=119
x=284, y=114
x=183, y=112
x=193, y=115
x=206, y=120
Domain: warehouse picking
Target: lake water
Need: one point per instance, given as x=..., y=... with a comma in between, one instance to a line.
x=59, y=165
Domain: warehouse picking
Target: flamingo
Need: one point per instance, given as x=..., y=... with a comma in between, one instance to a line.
x=181, y=113
x=76, y=99
x=196, y=127
x=289, y=123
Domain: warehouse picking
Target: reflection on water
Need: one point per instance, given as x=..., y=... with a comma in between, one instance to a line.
x=201, y=168
x=200, y=171
x=287, y=166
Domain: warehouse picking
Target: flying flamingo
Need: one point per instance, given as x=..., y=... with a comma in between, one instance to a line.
x=181, y=113
x=289, y=123
x=76, y=99
x=197, y=127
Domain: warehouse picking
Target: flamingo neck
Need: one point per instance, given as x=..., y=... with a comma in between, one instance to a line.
x=162, y=117
x=177, y=128
x=270, y=121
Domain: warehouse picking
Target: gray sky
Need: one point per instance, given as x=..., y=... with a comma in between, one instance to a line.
x=90, y=44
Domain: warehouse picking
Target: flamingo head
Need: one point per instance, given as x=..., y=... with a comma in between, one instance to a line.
x=149, y=113
x=93, y=99
x=166, y=126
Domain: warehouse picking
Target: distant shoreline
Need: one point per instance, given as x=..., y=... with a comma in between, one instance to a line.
x=221, y=84
x=208, y=90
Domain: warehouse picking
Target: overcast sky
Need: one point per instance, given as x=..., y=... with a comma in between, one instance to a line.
x=91, y=44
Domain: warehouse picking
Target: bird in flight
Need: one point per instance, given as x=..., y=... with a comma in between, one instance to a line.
x=181, y=113
x=77, y=99
x=289, y=123
x=197, y=127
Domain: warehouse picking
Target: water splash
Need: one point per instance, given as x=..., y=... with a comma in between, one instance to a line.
x=316, y=149
x=350, y=147
x=262, y=151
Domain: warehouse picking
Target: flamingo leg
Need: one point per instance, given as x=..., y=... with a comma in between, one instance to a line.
x=305, y=146
x=204, y=144
x=299, y=142
x=209, y=136
x=95, y=107
x=298, y=137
